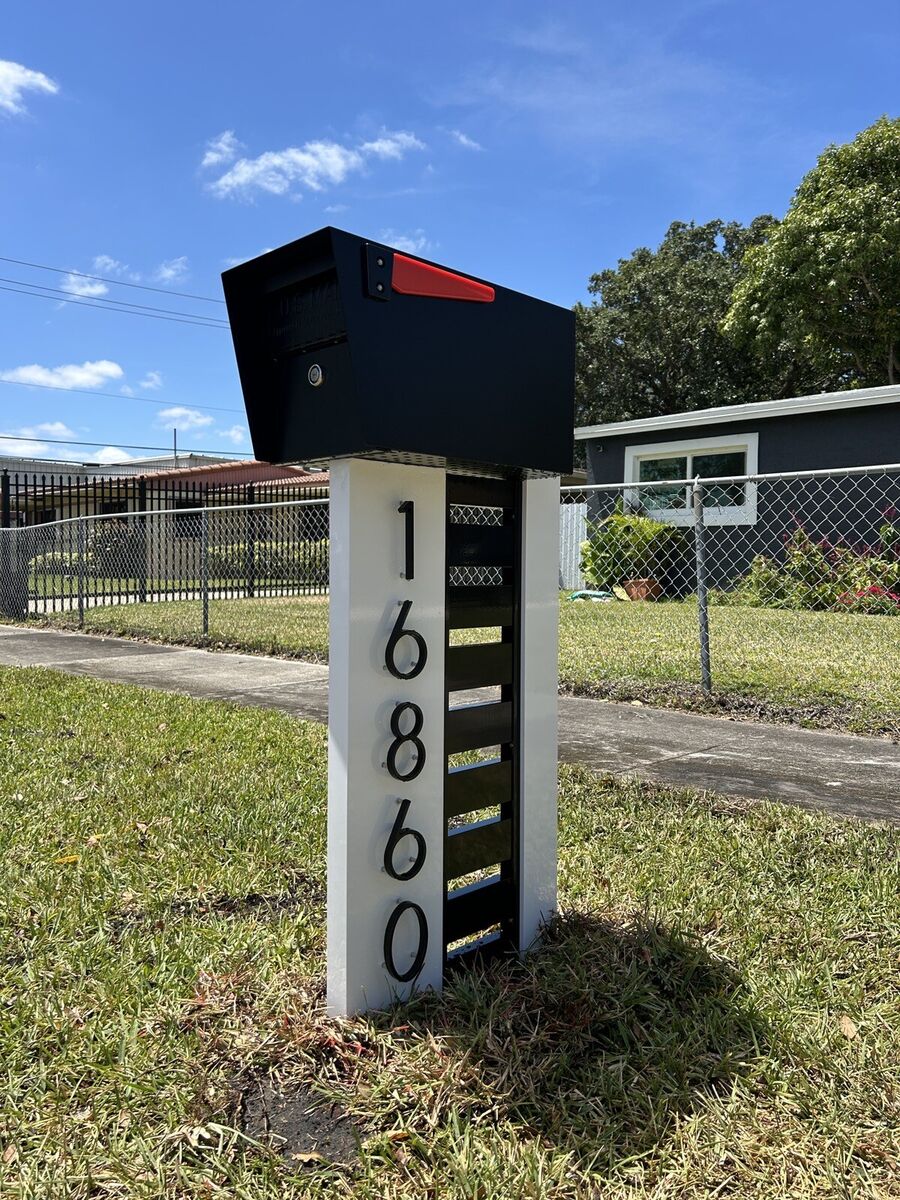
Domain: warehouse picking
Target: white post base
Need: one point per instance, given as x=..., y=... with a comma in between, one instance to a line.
x=367, y=558
x=539, y=707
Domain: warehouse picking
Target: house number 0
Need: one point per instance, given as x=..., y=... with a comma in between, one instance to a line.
x=405, y=712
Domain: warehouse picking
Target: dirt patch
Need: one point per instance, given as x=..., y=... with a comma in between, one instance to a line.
x=730, y=706
x=299, y=1126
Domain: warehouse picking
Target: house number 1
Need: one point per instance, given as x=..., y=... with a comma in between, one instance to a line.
x=404, y=711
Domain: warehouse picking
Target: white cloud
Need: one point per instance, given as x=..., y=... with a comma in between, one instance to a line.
x=414, y=242
x=336, y=208
x=180, y=417
x=151, y=381
x=110, y=454
x=54, y=429
x=87, y=375
x=81, y=285
x=172, y=270
x=27, y=449
x=126, y=390
x=392, y=145
x=76, y=285
x=236, y=262
x=463, y=139
x=15, y=80
x=236, y=434
x=34, y=445
x=635, y=85
x=315, y=165
x=221, y=149
x=109, y=266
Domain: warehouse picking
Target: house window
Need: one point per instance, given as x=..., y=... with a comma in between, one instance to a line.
x=669, y=464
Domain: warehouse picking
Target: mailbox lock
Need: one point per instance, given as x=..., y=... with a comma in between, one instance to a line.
x=315, y=375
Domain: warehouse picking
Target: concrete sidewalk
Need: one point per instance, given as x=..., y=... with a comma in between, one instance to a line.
x=843, y=774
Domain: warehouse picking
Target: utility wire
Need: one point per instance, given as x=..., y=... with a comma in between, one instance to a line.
x=88, y=304
x=53, y=387
x=19, y=262
x=9, y=437
x=174, y=312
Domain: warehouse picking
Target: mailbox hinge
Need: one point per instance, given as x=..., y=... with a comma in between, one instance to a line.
x=379, y=270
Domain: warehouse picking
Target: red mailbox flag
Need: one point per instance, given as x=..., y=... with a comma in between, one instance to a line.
x=414, y=278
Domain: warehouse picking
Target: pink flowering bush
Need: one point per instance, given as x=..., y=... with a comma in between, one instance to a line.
x=822, y=575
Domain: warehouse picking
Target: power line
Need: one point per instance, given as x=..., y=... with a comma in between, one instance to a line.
x=87, y=304
x=116, y=282
x=175, y=312
x=9, y=437
x=53, y=387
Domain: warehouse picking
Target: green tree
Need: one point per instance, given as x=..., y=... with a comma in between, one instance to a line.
x=826, y=281
x=652, y=341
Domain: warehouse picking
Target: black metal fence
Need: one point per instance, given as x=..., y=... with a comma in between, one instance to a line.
x=39, y=499
x=204, y=553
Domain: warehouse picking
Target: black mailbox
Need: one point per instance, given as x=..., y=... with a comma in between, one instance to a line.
x=348, y=347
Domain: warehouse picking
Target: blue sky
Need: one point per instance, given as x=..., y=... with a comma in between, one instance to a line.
x=527, y=143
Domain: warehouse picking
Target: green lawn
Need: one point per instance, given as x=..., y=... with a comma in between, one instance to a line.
x=818, y=669
x=715, y=1014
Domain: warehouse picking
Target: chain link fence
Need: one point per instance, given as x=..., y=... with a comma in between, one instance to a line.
x=729, y=582
x=785, y=587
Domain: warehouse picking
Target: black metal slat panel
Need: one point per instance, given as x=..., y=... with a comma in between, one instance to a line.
x=477, y=906
x=479, y=846
x=481, y=492
x=481, y=545
x=481, y=785
x=472, y=726
x=486, y=664
x=479, y=607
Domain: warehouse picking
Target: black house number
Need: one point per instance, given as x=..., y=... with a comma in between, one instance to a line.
x=408, y=714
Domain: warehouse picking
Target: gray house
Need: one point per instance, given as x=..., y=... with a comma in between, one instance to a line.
x=826, y=432
x=805, y=433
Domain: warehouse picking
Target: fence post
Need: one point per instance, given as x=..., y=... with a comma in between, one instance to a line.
x=143, y=557
x=81, y=551
x=702, y=597
x=6, y=551
x=250, y=549
x=204, y=567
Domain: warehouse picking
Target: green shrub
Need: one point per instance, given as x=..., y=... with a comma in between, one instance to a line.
x=64, y=563
x=632, y=546
x=116, y=548
x=822, y=575
x=270, y=562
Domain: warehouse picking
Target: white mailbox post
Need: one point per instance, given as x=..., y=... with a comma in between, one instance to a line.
x=379, y=782
x=390, y=827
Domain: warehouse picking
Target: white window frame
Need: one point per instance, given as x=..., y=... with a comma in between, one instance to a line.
x=737, y=514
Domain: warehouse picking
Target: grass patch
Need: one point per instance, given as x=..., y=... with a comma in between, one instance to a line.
x=715, y=1014
x=295, y=627
x=830, y=670
x=827, y=669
